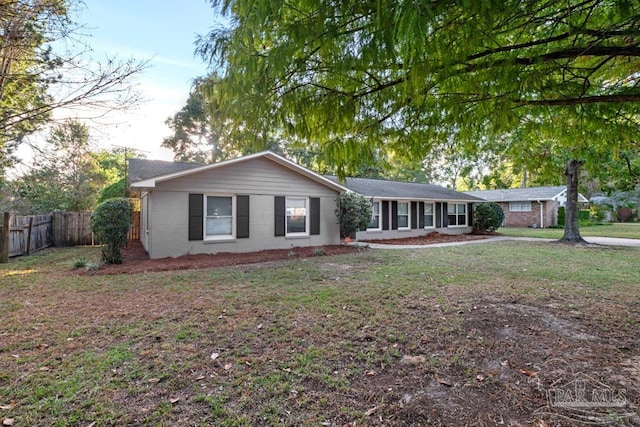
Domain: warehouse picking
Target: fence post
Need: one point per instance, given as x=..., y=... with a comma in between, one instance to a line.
x=29, y=235
x=4, y=239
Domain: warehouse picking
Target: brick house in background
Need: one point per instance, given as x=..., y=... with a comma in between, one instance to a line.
x=528, y=207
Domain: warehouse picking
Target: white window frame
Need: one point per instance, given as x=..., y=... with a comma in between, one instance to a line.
x=408, y=203
x=456, y=214
x=306, y=216
x=377, y=203
x=433, y=215
x=520, y=206
x=233, y=217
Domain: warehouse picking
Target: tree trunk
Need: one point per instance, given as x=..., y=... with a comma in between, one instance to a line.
x=571, y=230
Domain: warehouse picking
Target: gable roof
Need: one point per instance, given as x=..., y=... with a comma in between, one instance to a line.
x=379, y=188
x=523, y=194
x=140, y=169
x=150, y=182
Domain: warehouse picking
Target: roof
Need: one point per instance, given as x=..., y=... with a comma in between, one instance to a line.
x=379, y=188
x=523, y=194
x=140, y=169
x=151, y=181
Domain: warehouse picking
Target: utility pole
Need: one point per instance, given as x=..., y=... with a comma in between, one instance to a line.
x=126, y=151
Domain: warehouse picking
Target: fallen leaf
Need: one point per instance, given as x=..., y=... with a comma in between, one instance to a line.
x=201, y=377
x=443, y=381
x=529, y=373
x=260, y=326
x=174, y=400
x=10, y=406
x=480, y=377
x=228, y=366
x=214, y=356
x=413, y=360
x=371, y=411
x=369, y=373
x=45, y=368
x=154, y=380
x=8, y=422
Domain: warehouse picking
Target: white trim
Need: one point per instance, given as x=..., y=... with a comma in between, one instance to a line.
x=521, y=206
x=379, y=215
x=456, y=214
x=152, y=182
x=433, y=215
x=408, y=215
x=232, y=236
x=306, y=216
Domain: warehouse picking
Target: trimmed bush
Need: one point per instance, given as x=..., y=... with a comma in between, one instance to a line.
x=353, y=212
x=561, y=216
x=488, y=216
x=110, y=223
x=583, y=215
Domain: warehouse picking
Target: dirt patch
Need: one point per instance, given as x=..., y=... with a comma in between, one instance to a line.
x=431, y=238
x=136, y=259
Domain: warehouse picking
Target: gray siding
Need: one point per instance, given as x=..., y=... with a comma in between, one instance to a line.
x=256, y=176
x=262, y=180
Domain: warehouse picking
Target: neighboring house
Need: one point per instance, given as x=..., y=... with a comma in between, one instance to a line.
x=256, y=202
x=528, y=207
x=408, y=209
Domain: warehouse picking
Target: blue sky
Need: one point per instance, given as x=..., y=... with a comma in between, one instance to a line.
x=162, y=32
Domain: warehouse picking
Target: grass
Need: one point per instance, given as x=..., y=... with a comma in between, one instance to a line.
x=621, y=230
x=305, y=341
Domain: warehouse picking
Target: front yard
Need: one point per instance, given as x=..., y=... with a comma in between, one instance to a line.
x=474, y=335
x=621, y=230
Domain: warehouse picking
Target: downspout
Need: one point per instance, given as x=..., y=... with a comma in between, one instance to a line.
x=541, y=214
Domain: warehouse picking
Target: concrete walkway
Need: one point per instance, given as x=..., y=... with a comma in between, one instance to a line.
x=606, y=241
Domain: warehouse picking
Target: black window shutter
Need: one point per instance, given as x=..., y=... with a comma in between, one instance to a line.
x=280, y=207
x=394, y=215
x=469, y=214
x=242, y=217
x=385, y=214
x=314, y=215
x=445, y=215
x=420, y=214
x=414, y=215
x=196, y=212
x=438, y=214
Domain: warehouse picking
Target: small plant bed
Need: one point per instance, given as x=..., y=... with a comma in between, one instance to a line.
x=136, y=259
x=432, y=238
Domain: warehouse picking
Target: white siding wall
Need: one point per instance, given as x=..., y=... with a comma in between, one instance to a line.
x=262, y=180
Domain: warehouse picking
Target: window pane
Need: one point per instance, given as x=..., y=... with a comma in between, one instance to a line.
x=462, y=219
x=219, y=226
x=375, y=223
x=451, y=208
x=375, y=206
x=452, y=219
x=403, y=208
x=428, y=208
x=462, y=208
x=219, y=206
x=296, y=224
x=403, y=221
x=428, y=220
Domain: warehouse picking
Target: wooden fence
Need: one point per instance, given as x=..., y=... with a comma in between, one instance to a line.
x=29, y=234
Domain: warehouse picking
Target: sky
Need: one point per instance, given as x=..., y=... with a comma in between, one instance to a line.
x=163, y=33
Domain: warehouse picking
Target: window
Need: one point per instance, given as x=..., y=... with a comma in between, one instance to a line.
x=375, y=216
x=428, y=215
x=296, y=215
x=219, y=219
x=403, y=215
x=519, y=206
x=457, y=214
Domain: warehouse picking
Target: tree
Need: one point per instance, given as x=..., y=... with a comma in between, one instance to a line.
x=110, y=222
x=37, y=79
x=359, y=78
x=488, y=216
x=353, y=213
x=67, y=176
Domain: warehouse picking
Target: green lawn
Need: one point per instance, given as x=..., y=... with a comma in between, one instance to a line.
x=623, y=230
x=439, y=336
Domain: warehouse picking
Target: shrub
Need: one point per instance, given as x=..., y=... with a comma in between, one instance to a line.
x=583, y=215
x=110, y=223
x=488, y=216
x=561, y=215
x=353, y=212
